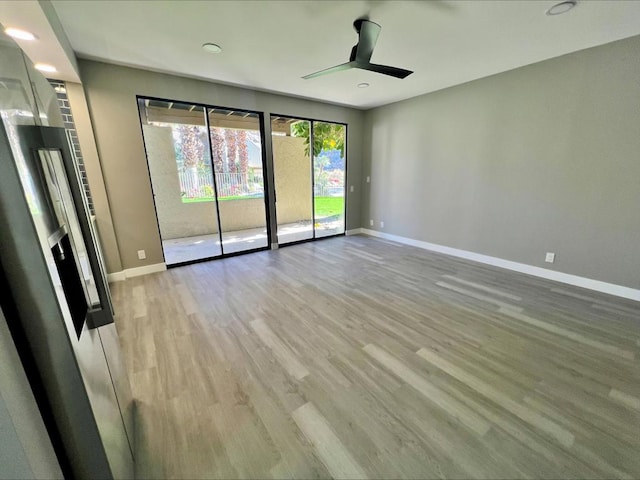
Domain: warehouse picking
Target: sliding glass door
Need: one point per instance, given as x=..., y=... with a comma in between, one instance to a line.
x=175, y=139
x=236, y=145
x=329, y=172
x=205, y=166
x=293, y=177
x=207, y=171
x=309, y=160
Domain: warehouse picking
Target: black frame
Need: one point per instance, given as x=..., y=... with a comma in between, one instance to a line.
x=34, y=138
x=313, y=205
x=265, y=179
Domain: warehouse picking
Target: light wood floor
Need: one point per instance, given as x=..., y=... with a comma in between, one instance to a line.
x=354, y=357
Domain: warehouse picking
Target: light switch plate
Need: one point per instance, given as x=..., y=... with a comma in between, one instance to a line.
x=550, y=257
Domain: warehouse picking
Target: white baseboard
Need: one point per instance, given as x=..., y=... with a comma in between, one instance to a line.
x=354, y=231
x=136, y=272
x=116, y=276
x=597, y=285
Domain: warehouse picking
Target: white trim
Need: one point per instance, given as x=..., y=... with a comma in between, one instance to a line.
x=147, y=269
x=116, y=277
x=597, y=285
x=136, y=272
x=354, y=231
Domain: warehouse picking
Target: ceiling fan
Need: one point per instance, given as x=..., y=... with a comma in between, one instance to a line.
x=368, y=32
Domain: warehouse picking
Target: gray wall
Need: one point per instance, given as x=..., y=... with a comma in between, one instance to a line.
x=111, y=94
x=545, y=158
x=93, y=168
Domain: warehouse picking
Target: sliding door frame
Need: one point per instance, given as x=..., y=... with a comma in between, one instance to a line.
x=265, y=179
x=213, y=177
x=313, y=179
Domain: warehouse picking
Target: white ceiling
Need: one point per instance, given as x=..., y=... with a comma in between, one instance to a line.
x=269, y=45
x=48, y=48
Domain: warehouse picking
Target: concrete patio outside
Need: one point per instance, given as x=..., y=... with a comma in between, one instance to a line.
x=178, y=250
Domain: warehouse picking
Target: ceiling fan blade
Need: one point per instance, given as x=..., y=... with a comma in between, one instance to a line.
x=326, y=71
x=385, y=70
x=368, y=33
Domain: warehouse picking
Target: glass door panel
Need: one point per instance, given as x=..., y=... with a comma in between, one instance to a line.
x=293, y=178
x=236, y=146
x=179, y=158
x=329, y=175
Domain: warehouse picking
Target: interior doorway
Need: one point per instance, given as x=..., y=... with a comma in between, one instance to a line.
x=206, y=167
x=309, y=159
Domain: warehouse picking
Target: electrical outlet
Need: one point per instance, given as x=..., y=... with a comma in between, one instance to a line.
x=371, y=223
x=368, y=179
x=550, y=257
x=142, y=255
x=381, y=224
x=351, y=189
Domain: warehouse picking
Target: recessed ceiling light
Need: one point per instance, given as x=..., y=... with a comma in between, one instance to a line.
x=212, y=48
x=43, y=67
x=363, y=85
x=562, y=7
x=19, y=34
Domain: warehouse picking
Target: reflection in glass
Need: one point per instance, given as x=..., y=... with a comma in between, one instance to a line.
x=46, y=101
x=64, y=209
x=292, y=174
x=17, y=108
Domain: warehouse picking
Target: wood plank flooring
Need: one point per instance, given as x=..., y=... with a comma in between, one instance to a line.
x=357, y=358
